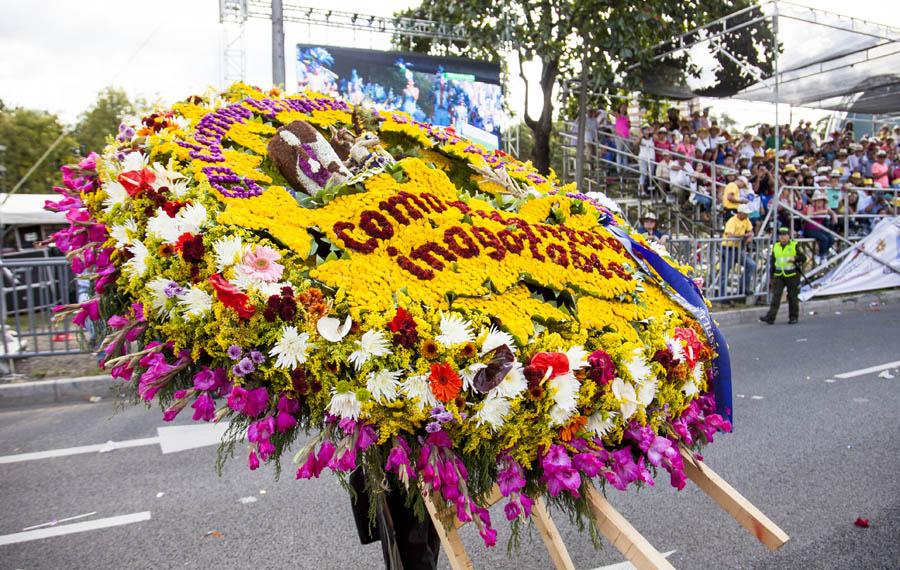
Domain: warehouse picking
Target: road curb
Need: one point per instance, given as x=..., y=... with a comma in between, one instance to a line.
x=860, y=301
x=82, y=388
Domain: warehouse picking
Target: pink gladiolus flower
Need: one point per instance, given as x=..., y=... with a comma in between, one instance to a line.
x=262, y=430
x=527, y=503
x=587, y=463
x=117, y=322
x=511, y=479
x=489, y=536
x=284, y=422
x=204, y=408
x=326, y=452
x=253, y=461
x=512, y=510
x=89, y=162
x=309, y=468
x=260, y=263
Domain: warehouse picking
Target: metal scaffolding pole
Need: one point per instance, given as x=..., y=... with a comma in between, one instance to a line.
x=278, y=44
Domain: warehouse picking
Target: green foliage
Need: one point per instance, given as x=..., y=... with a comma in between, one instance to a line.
x=26, y=134
x=612, y=37
x=102, y=120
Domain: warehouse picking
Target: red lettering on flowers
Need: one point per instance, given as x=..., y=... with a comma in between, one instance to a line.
x=487, y=239
x=511, y=241
x=408, y=201
x=425, y=253
x=341, y=229
x=376, y=225
x=558, y=255
x=434, y=202
x=467, y=249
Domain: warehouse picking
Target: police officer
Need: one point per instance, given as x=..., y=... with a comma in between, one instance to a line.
x=784, y=269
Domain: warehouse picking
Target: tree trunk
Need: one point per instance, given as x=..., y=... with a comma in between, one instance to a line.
x=542, y=128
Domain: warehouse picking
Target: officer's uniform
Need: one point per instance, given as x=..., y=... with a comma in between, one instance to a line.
x=784, y=272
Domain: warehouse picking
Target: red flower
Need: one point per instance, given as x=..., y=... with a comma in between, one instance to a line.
x=135, y=181
x=232, y=297
x=191, y=247
x=692, y=344
x=861, y=522
x=544, y=361
x=404, y=328
x=445, y=382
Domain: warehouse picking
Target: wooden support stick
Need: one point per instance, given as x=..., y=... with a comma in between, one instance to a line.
x=450, y=540
x=552, y=539
x=625, y=537
x=751, y=518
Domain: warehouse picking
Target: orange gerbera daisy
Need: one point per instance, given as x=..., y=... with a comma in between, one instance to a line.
x=445, y=382
x=574, y=426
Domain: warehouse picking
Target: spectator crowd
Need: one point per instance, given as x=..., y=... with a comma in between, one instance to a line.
x=837, y=182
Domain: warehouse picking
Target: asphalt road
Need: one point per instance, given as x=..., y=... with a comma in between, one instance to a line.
x=811, y=451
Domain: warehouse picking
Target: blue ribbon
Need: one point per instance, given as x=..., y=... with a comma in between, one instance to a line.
x=685, y=292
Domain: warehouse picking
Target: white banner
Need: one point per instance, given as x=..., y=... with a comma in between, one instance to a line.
x=858, y=271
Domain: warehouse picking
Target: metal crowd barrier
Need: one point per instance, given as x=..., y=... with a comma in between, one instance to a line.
x=31, y=288
x=728, y=273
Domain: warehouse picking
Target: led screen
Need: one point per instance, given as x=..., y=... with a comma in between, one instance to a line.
x=444, y=91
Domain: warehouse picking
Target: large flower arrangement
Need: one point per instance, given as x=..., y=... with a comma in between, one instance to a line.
x=432, y=312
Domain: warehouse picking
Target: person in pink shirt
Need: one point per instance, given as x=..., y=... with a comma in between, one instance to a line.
x=662, y=143
x=623, y=132
x=687, y=146
x=880, y=170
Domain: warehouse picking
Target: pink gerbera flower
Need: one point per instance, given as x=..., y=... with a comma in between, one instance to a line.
x=260, y=263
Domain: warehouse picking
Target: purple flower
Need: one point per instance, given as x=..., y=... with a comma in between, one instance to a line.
x=287, y=404
x=117, y=322
x=248, y=402
x=253, y=461
x=204, y=408
x=326, y=452
x=623, y=469
x=489, y=536
x=660, y=449
x=257, y=357
x=246, y=366
x=284, y=422
x=173, y=290
x=512, y=510
x=366, y=437
x=209, y=379
x=587, y=463
x=261, y=430
x=444, y=417
x=527, y=503
x=511, y=479
x=235, y=352
x=310, y=468
x=433, y=427
x=559, y=475
x=137, y=310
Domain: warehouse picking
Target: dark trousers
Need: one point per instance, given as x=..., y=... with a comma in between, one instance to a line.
x=793, y=291
x=407, y=543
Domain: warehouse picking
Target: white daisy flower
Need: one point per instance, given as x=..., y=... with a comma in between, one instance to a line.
x=675, y=346
x=565, y=397
x=513, y=384
x=637, y=367
x=267, y=289
x=227, y=251
x=137, y=265
x=290, y=350
x=345, y=405
x=383, y=384
x=162, y=227
x=418, y=388
x=181, y=122
x=179, y=188
x=495, y=338
x=599, y=423
x=158, y=298
x=331, y=328
x=134, y=161
x=122, y=233
x=493, y=412
x=164, y=176
x=115, y=194
x=692, y=386
x=577, y=356
x=195, y=302
x=371, y=344
x=454, y=330
x=191, y=218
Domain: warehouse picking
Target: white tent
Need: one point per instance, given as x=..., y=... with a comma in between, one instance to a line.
x=28, y=209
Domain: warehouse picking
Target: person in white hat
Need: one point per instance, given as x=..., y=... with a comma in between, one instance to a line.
x=738, y=236
x=649, y=230
x=819, y=216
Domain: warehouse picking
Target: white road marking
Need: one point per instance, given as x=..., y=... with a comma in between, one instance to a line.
x=869, y=370
x=180, y=438
x=42, y=533
x=171, y=439
x=830, y=380
x=77, y=450
x=860, y=400
x=628, y=565
x=247, y=500
x=756, y=397
x=56, y=522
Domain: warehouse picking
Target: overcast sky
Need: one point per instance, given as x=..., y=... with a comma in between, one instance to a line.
x=57, y=54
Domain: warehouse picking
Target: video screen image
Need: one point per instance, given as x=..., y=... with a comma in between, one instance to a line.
x=446, y=91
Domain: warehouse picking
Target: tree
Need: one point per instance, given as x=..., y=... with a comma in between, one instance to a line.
x=102, y=119
x=612, y=38
x=27, y=134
